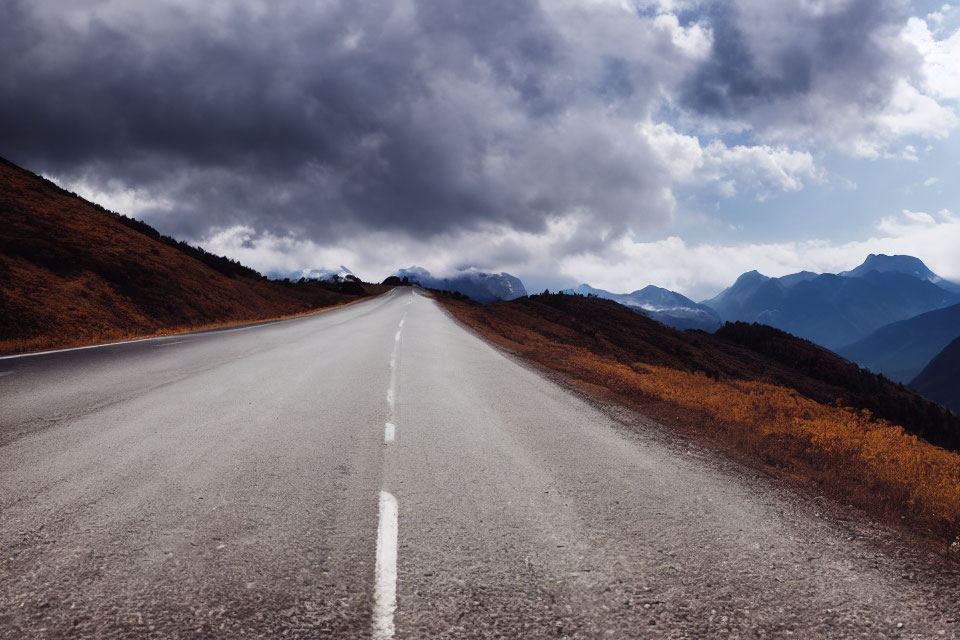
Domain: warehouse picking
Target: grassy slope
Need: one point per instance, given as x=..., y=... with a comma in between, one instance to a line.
x=72, y=273
x=740, y=399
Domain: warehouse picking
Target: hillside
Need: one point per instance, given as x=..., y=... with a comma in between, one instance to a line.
x=737, y=351
x=775, y=402
x=72, y=273
x=902, y=349
x=940, y=380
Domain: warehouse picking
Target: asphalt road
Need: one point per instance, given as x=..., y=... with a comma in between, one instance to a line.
x=378, y=470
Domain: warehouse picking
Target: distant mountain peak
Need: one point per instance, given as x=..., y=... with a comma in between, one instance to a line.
x=652, y=288
x=908, y=265
x=728, y=301
x=883, y=263
x=479, y=285
x=324, y=274
x=663, y=305
x=751, y=276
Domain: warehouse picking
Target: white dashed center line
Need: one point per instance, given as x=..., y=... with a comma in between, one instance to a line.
x=392, y=391
x=385, y=579
x=385, y=585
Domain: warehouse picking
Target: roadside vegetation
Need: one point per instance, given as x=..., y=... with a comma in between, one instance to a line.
x=45, y=342
x=73, y=273
x=831, y=448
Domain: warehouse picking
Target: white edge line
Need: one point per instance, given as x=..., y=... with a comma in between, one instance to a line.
x=389, y=430
x=89, y=346
x=268, y=323
x=385, y=574
x=115, y=344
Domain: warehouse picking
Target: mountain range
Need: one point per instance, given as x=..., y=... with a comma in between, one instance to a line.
x=478, y=285
x=835, y=310
x=891, y=314
x=323, y=275
x=663, y=305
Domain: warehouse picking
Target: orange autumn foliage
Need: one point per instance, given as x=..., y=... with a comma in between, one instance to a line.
x=73, y=274
x=844, y=453
x=925, y=479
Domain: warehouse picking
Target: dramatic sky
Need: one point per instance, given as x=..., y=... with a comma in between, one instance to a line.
x=615, y=142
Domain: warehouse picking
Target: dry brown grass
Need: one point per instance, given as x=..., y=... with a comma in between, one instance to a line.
x=838, y=451
x=45, y=343
x=71, y=274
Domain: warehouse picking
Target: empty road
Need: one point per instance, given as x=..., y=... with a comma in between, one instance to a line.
x=378, y=471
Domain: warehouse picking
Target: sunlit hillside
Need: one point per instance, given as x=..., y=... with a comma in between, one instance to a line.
x=73, y=273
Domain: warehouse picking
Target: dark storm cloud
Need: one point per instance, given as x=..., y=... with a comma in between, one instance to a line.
x=768, y=57
x=317, y=118
x=324, y=119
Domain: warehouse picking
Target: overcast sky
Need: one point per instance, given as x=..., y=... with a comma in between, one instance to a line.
x=615, y=142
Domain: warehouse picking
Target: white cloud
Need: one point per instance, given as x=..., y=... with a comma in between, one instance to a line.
x=941, y=57
x=114, y=195
x=496, y=248
x=911, y=221
x=836, y=74
x=914, y=217
x=760, y=169
x=912, y=113
x=932, y=180
x=765, y=168
x=681, y=155
x=694, y=41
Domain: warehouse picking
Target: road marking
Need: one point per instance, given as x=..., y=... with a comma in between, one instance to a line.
x=391, y=392
x=5, y=373
x=389, y=430
x=115, y=344
x=385, y=576
x=167, y=344
x=90, y=346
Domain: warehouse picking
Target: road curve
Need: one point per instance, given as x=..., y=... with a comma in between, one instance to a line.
x=378, y=471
